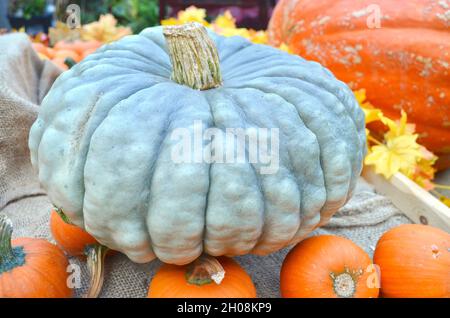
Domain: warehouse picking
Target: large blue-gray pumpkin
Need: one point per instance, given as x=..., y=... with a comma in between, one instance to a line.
x=102, y=145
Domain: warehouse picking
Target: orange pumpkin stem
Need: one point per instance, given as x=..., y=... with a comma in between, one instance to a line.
x=205, y=270
x=96, y=263
x=6, y=229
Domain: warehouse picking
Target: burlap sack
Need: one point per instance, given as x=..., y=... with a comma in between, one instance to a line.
x=24, y=80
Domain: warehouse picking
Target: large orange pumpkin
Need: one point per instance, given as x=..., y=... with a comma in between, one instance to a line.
x=31, y=268
x=404, y=64
x=414, y=261
x=328, y=266
x=207, y=277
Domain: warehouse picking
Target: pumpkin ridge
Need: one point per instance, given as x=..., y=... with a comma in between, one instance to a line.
x=359, y=128
x=303, y=196
x=215, y=98
x=150, y=211
x=267, y=237
x=303, y=188
x=233, y=55
x=320, y=146
x=106, y=62
x=86, y=140
x=121, y=45
x=260, y=185
x=164, y=133
x=45, y=276
x=159, y=42
x=323, y=87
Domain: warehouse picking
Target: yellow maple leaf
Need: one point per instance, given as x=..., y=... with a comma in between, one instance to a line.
x=225, y=20
x=235, y=31
x=445, y=200
x=193, y=14
x=361, y=97
x=398, y=127
x=104, y=30
x=286, y=48
x=170, y=21
x=258, y=37
x=397, y=154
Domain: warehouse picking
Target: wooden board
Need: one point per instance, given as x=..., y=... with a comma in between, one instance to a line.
x=416, y=203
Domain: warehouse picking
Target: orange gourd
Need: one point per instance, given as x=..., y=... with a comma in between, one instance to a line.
x=77, y=46
x=202, y=279
x=404, y=64
x=31, y=268
x=328, y=266
x=77, y=242
x=72, y=239
x=67, y=54
x=82, y=46
x=88, y=52
x=414, y=261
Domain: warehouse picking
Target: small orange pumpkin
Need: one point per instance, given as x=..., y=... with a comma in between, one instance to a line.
x=72, y=239
x=77, y=242
x=328, y=266
x=414, y=260
x=31, y=268
x=207, y=277
x=67, y=53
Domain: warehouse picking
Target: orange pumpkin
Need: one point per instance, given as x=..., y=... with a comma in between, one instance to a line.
x=87, y=52
x=72, y=239
x=77, y=46
x=77, y=242
x=405, y=64
x=67, y=53
x=414, y=261
x=82, y=46
x=202, y=279
x=328, y=266
x=31, y=268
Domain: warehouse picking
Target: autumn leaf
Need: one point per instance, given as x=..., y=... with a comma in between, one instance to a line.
x=398, y=127
x=193, y=14
x=225, y=20
x=398, y=154
x=286, y=48
x=104, y=30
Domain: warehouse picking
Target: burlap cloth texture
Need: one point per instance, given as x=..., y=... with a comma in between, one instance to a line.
x=24, y=81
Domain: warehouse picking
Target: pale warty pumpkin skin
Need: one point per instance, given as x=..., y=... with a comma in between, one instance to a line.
x=102, y=147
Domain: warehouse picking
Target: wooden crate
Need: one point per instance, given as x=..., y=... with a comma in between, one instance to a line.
x=416, y=203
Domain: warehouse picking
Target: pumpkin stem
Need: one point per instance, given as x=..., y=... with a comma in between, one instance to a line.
x=205, y=270
x=6, y=229
x=62, y=215
x=345, y=283
x=96, y=264
x=193, y=55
